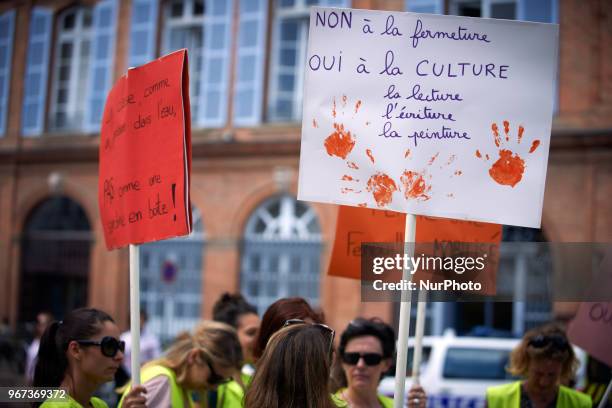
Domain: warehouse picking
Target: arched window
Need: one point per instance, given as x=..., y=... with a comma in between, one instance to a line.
x=55, y=250
x=171, y=281
x=71, y=69
x=281, y=255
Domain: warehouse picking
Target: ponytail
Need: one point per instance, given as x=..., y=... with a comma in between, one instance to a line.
x=51, y=362
x=229, y=308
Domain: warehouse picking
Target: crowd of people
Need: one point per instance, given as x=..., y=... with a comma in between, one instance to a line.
x=289, y=358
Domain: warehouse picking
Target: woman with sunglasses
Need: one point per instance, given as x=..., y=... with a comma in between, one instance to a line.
x=294, y=369
x=366, y=352
x=546, y=360
x=79, y=354
x=194, y=362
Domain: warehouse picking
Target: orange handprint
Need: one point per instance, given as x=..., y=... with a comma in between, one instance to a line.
x=340, y=142
x=380, y=184
x=415, y=185
x=509, y=168
x=382, y=188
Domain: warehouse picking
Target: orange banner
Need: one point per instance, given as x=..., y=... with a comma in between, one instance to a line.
x=356, y=225
x=361, y=225
x=460, y=240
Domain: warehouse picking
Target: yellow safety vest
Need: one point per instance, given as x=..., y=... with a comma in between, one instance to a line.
x=177, y=393
x=596, y=392
x=385, y=402
x=231, y=395
x=72, y=403
x=509, y=396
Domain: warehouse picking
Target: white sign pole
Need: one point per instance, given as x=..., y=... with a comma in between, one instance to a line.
x=135, y=312
x=606, y=396
x=404, y=319
x=418, y=337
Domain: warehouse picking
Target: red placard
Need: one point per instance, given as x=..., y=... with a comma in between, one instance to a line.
x=145, y=154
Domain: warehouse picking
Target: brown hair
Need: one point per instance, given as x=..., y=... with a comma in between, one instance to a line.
x=526, y=352
x=277, y=314
x=229, y=308
x=217, y=341
x=293, y=371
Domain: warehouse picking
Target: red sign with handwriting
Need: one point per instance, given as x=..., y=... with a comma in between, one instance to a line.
x=145, y=154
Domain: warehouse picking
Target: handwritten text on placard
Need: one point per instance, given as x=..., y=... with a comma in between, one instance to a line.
x=423, y=113
x=145, y=152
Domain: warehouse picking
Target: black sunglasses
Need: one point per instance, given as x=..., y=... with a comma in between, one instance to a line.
x=327, y=332
x=109, y=346
x=371, y=359
x=214, y=378
x=556, y=341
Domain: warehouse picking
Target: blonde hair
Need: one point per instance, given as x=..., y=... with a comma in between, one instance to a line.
x=524, y=353
x=216, y=341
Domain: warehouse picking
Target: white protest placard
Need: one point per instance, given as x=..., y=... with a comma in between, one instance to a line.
x=426, y=114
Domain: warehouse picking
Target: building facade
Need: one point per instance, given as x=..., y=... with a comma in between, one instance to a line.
x=59, y=58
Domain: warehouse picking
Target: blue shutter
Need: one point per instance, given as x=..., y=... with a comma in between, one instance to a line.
x=101, y=62
x=425, y=6
x=542, y=11
x=37, y=72
x=335, y=3
x=249, y=78
x=7, y=28
x=212, y=107
x=143, y=32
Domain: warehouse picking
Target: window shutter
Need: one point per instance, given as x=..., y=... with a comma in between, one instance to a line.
x=37, y=72
x=249, y=74
x=425, y=6
x=7, y=29
x=143, y=32
x=215, y=67
x=101, y=63
x=542, y=11
x=335, y=3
